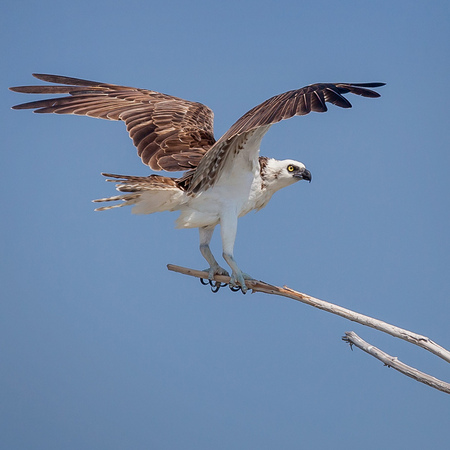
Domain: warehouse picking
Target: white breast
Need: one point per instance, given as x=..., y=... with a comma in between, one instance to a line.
x=233, y=192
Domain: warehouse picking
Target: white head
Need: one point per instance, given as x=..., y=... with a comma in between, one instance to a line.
x=279, y=174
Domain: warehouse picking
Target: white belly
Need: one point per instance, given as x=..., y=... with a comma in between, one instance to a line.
x=232, y=193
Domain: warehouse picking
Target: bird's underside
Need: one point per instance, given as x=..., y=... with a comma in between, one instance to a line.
x=224, y=179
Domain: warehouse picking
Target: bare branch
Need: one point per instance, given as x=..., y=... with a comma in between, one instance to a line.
x=392, y=361
x=260, y=286
x=352, y=338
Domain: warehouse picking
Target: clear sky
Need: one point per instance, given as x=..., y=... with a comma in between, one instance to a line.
x=103, y=348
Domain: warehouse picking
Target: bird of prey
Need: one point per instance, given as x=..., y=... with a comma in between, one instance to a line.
x=223, y=180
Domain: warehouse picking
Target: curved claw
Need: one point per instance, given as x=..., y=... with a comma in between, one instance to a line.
x=215, y=285
x=236, y=289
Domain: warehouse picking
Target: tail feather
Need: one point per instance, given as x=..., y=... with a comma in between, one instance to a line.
x=150, y=194
x=127, y=199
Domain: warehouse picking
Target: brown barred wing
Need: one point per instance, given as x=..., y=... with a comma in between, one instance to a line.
x=170, y=133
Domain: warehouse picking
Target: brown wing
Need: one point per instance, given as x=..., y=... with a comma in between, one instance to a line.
x=242, y=136
x=300, y=102
x=170, y=133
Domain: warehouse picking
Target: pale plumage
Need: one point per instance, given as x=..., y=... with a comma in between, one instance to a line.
x=225, y=179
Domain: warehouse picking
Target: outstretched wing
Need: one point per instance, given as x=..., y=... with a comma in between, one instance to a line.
x=246, y=134
x=170, y=133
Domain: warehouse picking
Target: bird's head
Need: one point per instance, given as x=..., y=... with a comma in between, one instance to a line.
x=279, y=174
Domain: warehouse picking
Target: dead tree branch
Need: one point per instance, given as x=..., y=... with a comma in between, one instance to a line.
x=414, y=338
x=392, y=361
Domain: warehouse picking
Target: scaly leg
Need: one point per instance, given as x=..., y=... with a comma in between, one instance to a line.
x=228, y=229
x=205, y=238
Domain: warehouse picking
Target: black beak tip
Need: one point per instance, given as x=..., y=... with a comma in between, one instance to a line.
x=304, y=174
x=307, y=176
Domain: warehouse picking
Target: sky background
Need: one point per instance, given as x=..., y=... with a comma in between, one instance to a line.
x=103, y=348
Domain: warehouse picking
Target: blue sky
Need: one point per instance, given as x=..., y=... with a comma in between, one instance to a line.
x=103, y=348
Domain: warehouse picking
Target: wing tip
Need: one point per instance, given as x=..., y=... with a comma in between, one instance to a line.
x=23, y=106
x=362, y=88
x=373, y=84
x=39, y=76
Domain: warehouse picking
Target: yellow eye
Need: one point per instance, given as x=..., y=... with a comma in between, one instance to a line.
x=290, y=168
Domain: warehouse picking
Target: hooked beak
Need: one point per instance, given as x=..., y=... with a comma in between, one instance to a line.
x=304, y=174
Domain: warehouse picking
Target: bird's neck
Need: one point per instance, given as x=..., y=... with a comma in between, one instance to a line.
x=264, y=186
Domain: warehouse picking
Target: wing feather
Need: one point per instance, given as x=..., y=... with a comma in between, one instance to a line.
x=170, y=133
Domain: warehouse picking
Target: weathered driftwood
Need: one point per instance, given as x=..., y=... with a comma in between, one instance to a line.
x=414, y=338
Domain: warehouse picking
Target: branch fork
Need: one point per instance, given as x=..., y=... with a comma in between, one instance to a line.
x=350, y=337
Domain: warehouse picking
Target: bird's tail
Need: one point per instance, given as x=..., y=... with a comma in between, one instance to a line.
x=150, y=194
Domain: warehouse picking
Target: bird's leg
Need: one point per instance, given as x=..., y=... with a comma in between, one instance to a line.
x=205, y=238
x=228, y=229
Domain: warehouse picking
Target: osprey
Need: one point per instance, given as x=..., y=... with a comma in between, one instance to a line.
x=223, y=179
